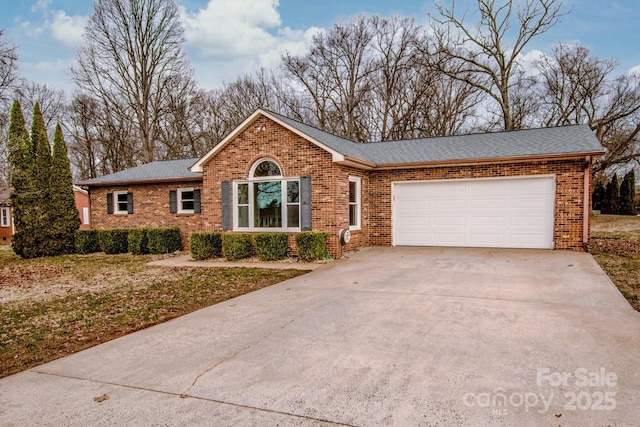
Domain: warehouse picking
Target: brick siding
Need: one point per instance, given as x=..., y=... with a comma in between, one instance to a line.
x=150, y=209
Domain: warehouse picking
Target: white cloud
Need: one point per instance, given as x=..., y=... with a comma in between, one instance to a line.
x=634, y=71
x=231, y=37
x=68, y=29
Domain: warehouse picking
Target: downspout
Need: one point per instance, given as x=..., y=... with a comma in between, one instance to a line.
x=587, y=206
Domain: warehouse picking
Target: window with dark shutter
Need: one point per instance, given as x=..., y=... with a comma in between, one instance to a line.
x=196, y=201
x=129, y=203
x=173, y=201
x=305, y=203
x=110, y=203
x=226, y=205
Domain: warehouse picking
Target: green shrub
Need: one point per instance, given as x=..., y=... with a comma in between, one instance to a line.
x=311, y=245
x=138, y=241
x=236, y=246
x=87, y=241
x=271, y=246
x=164, y=240
x=114, y=241
x=205, y=245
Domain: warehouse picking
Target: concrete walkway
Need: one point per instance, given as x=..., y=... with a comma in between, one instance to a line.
x=391, y=336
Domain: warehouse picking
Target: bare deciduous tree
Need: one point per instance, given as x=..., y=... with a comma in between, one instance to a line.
x=577, y=87
x=8, y=81
x=491, y=62
x=130, y=60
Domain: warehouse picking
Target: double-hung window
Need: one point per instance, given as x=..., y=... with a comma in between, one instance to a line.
x=354, y=203
x=120, y=202
x=186, y=200
x=4, y=217
x=267, y=200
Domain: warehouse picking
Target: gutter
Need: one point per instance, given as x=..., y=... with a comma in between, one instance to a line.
x=487, y=160
x=586, y=215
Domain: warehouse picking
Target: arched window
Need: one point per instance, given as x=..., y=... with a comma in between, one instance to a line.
x=267, y=200
x=265, y=167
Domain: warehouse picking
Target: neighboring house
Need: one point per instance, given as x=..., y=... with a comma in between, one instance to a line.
x=6, y=219
x=520, y=189
x=82, y=203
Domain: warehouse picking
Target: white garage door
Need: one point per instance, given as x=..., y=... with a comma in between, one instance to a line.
x=501, y=213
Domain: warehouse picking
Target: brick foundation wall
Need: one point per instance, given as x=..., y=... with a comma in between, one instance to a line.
x=150, y=208
x=568, y=204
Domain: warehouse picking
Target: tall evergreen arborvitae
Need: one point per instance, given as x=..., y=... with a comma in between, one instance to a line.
x=42, y=233
x=612, y=196
x=64, y=216
x=23, y=196
x=627, y=205
x=598, y=196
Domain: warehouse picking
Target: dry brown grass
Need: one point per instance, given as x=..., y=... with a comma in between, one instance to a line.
x=52, y=307
x=616, y=246
x=616, y=226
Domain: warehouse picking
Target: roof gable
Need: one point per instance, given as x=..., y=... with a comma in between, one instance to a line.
x=317, y=137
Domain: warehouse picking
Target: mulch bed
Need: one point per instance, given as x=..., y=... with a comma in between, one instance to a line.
x=617, y=246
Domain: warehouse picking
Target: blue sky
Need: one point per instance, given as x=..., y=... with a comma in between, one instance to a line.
x=226, y=38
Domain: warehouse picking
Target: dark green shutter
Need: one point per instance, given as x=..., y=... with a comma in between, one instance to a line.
x=110, y=203
x=129, y=203
x=226, y=206
x=173, y=201
x=196, y=201
x=305, y=203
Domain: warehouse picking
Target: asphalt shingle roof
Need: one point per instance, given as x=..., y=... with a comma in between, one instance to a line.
x=556, y=141
x=163, y=170
x=572, y=139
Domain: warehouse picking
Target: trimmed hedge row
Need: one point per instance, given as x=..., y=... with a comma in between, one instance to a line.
x=87, y=241
x=236, y=246
x=205, y=245
x=311, y=245
x=138, y=241
x=164, y=240
x=268, y=246
x=271, y=246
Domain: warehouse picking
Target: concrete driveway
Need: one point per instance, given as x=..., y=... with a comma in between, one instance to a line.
x=395, y=336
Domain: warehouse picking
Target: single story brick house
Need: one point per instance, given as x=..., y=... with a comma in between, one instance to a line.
x=519, y=189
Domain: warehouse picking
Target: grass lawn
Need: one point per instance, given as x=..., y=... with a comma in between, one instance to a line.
x=52, y=307
x=615, y=244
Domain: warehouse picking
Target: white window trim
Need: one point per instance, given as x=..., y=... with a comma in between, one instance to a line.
x=85, y=216
x=262, y=178
x=283, y=204
x=358, y=203
x=5, y=214
x=117, y=211
x=179, y=201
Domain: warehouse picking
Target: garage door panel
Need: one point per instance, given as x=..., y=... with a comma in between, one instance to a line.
x=447, y=221
x=484, y=239
x=487, y=221
x=510, y=212
x=456, y=204
x=448, y=239
x=491, y=203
